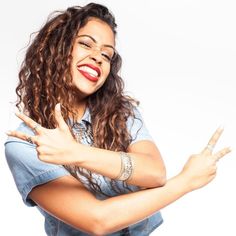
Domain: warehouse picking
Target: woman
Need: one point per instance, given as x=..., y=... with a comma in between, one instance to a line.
x=90, y=165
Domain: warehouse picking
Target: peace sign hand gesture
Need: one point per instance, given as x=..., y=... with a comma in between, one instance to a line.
x=201, y=168
x=54, y=146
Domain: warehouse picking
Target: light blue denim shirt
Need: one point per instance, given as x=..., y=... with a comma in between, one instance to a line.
x=28, y=172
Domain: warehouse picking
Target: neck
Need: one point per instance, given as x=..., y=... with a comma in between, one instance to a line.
x=80, y=107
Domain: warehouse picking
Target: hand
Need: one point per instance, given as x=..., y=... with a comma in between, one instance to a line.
x=53, y=145
x=201, y=168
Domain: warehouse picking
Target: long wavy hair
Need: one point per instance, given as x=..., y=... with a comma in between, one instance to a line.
x=45, y=79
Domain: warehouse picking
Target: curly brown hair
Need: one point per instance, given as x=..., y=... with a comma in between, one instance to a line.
x=45, y=79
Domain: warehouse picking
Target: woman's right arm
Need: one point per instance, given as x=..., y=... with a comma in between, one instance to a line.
x=68, y=200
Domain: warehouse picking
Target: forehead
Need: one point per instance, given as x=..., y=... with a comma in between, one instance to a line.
x=99, y=30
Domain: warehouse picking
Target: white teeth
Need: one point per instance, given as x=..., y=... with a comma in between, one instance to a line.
x=89, y=70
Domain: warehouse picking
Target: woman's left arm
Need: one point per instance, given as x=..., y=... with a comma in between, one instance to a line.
x=148, y=172
x=58, y=146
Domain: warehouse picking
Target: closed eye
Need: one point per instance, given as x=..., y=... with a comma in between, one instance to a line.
x=106, y=56
x=85, y=45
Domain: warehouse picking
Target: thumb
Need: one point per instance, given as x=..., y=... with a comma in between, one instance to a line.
x=59, y=118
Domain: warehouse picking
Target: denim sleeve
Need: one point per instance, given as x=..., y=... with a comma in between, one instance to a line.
x=27, y=170
x=137, y=128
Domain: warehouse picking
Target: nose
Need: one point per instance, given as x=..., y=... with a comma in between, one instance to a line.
x=96, y=56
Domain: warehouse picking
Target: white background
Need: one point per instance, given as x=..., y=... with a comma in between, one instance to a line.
x=179, y=60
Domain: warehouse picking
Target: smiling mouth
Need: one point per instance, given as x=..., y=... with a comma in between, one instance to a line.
x=90, y=72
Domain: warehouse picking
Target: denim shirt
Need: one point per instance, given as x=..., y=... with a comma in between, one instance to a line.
x=28, y=172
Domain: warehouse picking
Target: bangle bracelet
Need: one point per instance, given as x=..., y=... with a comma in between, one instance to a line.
x=127, y=167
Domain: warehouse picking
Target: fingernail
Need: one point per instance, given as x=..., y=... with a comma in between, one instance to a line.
x=58, y=107
x=221, y=127
x=8, y=132
x=17, y=113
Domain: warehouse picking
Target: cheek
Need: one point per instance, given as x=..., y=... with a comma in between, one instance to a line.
x=78, y=55
x=107, y=70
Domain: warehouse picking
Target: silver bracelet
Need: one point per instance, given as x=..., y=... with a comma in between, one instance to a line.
x=127, y=167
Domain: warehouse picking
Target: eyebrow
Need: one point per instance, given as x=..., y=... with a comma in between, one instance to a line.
x=95, y=41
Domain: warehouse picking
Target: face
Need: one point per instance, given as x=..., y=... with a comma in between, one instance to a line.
x=91, y=56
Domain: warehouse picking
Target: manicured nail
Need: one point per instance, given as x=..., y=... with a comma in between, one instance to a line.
x=8, y=132
x=18, y=113
x=221, y=127
x=58, y=107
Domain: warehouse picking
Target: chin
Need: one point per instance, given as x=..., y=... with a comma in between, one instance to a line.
x=84, y=92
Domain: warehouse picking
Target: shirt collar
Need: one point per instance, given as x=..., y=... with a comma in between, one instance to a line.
x=87, y=116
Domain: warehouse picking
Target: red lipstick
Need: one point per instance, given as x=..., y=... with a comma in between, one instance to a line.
x=88, y=71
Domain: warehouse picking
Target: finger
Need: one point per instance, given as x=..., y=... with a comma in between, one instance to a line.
x=221, y=153
x=18, y=134
x=38, y=129
x=215, y=137
x=213, y=140
x=44, y=154
x=22, y=136
x=30, y=122
x=59, y=118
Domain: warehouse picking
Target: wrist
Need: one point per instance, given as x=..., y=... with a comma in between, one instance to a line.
x=184, y=183
x=75, y=153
